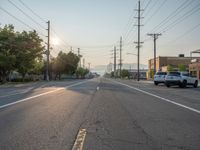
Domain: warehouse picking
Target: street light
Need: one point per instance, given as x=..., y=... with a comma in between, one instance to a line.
x=131, y=54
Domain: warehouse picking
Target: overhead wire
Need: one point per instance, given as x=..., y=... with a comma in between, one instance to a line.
x=146, y=6
x=181, y=18
x=184, y=34
x=156, y=11
x=28, y=16
x=7, y=12
x=43, y=20
x=177, y=10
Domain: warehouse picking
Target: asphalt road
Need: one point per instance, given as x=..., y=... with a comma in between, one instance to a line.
x=113, y=114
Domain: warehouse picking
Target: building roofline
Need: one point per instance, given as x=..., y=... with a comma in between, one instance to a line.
x=174, y=57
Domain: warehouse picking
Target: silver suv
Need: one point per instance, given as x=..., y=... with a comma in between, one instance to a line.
x=159, y=77
x=180, y=78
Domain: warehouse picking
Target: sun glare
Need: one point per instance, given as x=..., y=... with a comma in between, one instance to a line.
x=55, y=41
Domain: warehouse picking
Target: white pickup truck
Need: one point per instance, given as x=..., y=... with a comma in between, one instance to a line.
x=180, y=78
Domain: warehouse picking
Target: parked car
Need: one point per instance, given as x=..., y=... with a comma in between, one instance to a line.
x=180, y=78
x=159, y=77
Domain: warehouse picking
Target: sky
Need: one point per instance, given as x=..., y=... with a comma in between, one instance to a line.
x=95, y=26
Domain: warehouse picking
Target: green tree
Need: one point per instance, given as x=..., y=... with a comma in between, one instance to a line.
x=181, y=67
x=38, y=67
x=71, y=64
x=170, y=68
x=151, y=73
x=124, y=73
x=81, y=72
x=64, y=64
x=7, y=57
x=28, y=49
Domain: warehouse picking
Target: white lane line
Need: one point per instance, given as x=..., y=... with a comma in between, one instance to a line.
x=78, y=145
x=164, y=99
x=35, y=96
x=13, y=94
x=17, y=93
x=97, y=88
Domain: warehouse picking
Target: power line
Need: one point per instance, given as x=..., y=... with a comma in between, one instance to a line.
x=184, y=34
x=26, y=14
x=20, y=21
x=182, y=18
x=129, y=25
x=150, y=8
x=170, y=16
x=147, y=6
x=62, y=40
x=156, y=11
x=43, y=20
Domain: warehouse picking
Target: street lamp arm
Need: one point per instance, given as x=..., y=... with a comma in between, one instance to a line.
x=131, y=54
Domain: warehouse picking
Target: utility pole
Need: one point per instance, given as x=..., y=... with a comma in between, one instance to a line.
x=155, y=37
x=48, y=52
x=79, y=57
x=138, y=42
x=71, y=49
x=89, y=66
x=83, y=62
x=114, y=61
x=120, y=60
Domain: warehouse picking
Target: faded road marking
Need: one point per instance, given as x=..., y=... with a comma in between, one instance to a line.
x=35, y=96
x=78, y=145
x=159, y=97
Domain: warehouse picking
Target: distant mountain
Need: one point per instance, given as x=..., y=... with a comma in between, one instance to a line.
x=101, y=69
x=134, y=66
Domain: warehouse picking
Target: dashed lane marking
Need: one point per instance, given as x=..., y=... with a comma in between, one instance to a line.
x=78, y=145
x=97, y=88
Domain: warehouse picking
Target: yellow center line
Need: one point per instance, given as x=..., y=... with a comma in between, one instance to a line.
x=78, y=145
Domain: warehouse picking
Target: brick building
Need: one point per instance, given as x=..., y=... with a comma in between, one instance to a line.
x=194, y=69
x=163, y=61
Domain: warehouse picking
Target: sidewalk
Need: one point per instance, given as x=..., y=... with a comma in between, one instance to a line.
x=18, y=84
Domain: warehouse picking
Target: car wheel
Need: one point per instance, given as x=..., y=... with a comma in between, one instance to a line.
x=156, y=83
x=196, y=84
x=167, y=85
x=184, y=84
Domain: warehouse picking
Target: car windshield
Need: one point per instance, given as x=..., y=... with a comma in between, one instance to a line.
x=174, y=74
x=161, y=73
x=186, y=74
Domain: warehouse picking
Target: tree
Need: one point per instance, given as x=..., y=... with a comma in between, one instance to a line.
x=124, y=73
x=81, y=72
x=170, y=68
x=28, y=49
x=151, y=73
x=64, y=64
x=7, y=57
x=181, y=67
x=38, y=67
x=71, y=63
